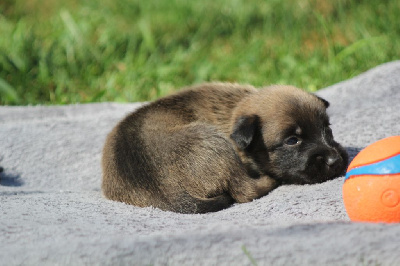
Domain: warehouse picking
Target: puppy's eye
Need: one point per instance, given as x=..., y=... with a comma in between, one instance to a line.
x=293, y=140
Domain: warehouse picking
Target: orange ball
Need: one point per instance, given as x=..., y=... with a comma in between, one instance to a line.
x=371, y=190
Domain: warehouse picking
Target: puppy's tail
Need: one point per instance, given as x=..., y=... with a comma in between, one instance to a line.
x=186, y=203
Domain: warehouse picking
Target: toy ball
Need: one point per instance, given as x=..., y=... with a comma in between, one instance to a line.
x=371, y=190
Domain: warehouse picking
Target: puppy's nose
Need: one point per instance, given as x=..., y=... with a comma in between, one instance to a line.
x=331, y=159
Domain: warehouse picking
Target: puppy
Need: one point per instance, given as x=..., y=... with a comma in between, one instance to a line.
x=212, y=145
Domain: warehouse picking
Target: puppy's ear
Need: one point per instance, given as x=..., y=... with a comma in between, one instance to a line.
x=244, y=130
x=326, y=103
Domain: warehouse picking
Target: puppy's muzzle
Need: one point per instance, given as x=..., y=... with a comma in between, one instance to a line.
x=329, y=162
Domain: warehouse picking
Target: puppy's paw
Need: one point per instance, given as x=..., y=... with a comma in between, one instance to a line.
x=251, y=189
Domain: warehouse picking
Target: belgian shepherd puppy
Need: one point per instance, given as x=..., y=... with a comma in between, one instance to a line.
x=211, y=145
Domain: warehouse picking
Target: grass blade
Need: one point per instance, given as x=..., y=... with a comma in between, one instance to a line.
x=7, y=92
x=247, y=253
x=354, y=47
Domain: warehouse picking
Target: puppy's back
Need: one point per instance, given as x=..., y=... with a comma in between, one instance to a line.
x=157, y=155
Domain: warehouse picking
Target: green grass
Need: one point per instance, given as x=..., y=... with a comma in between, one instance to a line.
x=60, y=52
x=249, y=256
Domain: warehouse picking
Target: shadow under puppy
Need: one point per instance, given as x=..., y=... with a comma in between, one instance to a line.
x=211, y=145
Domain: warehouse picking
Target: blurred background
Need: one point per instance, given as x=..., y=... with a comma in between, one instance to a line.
x=61, y=52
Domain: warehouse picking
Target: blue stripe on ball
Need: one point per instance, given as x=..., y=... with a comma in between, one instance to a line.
x=388, y=166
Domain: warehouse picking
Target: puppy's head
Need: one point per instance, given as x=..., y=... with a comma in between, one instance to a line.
x=284, y=132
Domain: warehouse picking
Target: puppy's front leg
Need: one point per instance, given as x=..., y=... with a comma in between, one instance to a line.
x=264, y=185
x=248, y=189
